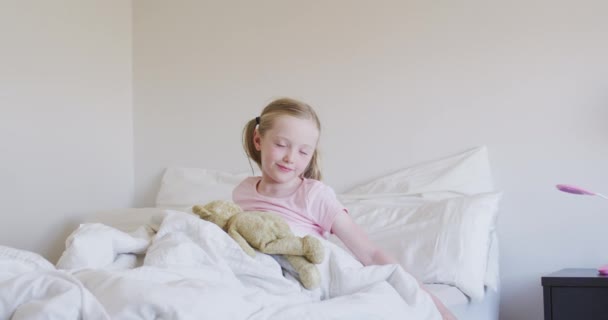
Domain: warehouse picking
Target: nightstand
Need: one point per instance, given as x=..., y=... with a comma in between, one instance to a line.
x=575, y=294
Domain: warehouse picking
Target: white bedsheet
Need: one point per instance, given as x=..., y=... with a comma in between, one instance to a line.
x=31, y=288
x=462, y=307
x=193, y=270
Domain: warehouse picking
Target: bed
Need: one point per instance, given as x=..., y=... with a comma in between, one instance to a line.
x=437, y=218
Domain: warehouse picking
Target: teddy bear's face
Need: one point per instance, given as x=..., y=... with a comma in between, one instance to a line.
x=217, y=212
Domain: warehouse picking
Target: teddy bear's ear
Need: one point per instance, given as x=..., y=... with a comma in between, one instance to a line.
x=201, y=212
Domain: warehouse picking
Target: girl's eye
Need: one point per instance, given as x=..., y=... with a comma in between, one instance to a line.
x=304, y=153
x=280, y=145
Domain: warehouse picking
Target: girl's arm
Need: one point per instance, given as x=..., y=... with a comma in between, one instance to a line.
x=357, y=241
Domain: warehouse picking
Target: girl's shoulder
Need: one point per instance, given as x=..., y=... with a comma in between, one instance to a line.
x=252, y=180
x=312, y=183
x=247, y=184
x=313, y=186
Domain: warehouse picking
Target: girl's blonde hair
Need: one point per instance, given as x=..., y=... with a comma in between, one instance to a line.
x=277, y=108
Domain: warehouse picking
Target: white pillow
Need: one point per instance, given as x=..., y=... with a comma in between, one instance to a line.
x=28, y=259
x=128, y=219
x=465, y=173
x=438, y=241
x=182, y=188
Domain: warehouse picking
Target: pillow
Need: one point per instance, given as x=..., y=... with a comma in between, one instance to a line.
x=31, y=260
x=129, y=219
x=442, y=241
x=182, y=188
x=465, y=173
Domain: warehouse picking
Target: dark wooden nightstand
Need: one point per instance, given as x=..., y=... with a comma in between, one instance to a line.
x=575, y=294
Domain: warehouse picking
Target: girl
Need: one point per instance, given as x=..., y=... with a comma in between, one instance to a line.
x=283, y=142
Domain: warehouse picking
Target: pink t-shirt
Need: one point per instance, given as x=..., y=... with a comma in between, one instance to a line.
x=311, y=209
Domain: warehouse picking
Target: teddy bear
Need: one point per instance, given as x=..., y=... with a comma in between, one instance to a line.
x=268, y=233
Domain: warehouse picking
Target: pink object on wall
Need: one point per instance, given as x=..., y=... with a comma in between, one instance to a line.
x=577, y=190
x=603, y=270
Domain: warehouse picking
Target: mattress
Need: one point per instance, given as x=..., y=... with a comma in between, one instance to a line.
x=459, y=304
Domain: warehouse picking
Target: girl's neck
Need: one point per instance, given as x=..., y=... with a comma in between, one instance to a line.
x=278, y=190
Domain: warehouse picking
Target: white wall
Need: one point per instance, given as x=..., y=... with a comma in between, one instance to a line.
x=397, y=83
x=66, y=131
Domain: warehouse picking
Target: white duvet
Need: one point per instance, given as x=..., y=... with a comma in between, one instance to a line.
x=181, y=267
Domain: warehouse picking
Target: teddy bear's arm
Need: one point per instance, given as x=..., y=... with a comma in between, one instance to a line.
x=288, y=245
x=241, y=241
x=307, y=272
x=308, y=247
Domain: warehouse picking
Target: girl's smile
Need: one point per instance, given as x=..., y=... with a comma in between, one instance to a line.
x=284, y=169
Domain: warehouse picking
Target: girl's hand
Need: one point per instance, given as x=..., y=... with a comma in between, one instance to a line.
x=446, y=314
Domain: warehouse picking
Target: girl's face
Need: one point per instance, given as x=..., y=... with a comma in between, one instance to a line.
x=286, y=148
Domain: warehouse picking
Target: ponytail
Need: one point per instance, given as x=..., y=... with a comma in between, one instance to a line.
x=252, y=153
x=313, y=171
